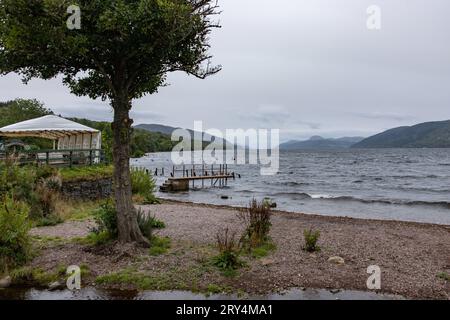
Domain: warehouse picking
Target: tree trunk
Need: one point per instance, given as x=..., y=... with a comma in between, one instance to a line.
x=126, y=214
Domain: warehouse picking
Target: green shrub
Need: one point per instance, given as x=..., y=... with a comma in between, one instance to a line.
x=143, y=185
x=106, y=219
x=311, y=239
x=17, y=181
x=256, y=219
x=228, y=258
x=145, y=222
x=148, y=222
x=15, y=241
x=36, y=186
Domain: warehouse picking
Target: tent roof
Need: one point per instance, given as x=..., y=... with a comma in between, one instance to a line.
x=49, y=127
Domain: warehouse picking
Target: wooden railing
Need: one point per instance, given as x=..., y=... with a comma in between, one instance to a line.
x=63, y=158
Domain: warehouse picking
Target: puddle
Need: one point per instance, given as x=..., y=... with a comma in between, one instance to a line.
x=98, y=294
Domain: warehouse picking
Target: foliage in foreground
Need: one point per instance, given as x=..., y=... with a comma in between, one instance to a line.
x=15, y=241
x=311, y=239
x=36, y=186
x=106, y=219
x=144, y=185
x=256, y=219
x=229, y=250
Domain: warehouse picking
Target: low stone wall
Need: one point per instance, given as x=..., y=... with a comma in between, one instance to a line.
x=87, y=190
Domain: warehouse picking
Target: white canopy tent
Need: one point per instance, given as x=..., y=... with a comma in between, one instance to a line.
x=66, y=134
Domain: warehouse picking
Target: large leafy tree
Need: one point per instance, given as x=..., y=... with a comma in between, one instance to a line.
x=123, y=51
x=20, y=110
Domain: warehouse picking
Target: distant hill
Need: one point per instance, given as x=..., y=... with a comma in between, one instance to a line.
x=157, y=128
x=424, y=135
x=168, y=130
x=317, y=142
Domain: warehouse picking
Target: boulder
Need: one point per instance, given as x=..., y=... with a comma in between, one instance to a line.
x=336, y=260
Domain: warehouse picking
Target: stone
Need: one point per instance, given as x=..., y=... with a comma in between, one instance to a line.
x=224, y=197
x=267, y=261
x=55, y=286
x=336, y=260
x=5, y=282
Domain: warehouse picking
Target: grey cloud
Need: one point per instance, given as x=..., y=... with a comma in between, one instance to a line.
x=306, y=66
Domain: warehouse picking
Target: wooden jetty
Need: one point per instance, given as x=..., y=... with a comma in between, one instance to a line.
x=217, y=177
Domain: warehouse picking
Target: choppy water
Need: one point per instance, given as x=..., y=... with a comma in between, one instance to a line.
x=393, y=184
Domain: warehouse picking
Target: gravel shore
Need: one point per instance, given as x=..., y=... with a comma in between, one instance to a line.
x=410, y=255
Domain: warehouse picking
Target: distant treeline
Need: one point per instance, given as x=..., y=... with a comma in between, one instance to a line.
x=142, y=141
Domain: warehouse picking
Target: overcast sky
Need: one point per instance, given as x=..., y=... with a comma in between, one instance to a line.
x=308, y=67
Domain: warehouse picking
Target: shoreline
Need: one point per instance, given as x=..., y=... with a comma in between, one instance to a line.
x=306, y=215
x=411, y=255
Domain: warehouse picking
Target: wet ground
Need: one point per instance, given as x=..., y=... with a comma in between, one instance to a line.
x=98, y=294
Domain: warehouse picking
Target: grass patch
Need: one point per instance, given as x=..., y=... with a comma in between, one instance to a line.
x=159, y=246
x=48, y=241
x=76, y=210
x=39, y=277
x=34, y=276
x=263, y=250
x=86, y=173
x=141, y=281
x=444, y=276
x=48, y=221
x=214, y=289
x=95, y=239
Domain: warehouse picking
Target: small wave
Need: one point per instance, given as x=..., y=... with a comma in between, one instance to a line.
x=296, y=195
x=288, y=183
x=444, y=204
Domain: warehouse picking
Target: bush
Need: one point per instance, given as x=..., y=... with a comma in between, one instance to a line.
x=106, y=219
x=311, y=239
x=143, y=185
x=17, y=181
x=228, y=258
x=36, y=186
x=147, y=223
x=256, y=219
x=15, y=241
